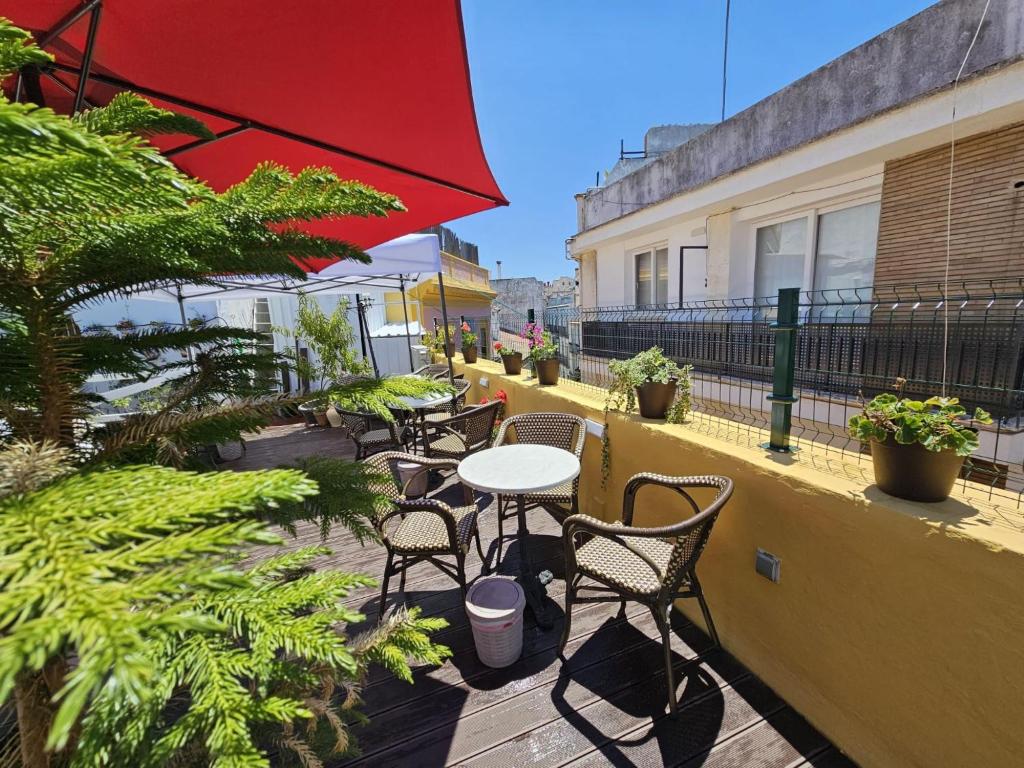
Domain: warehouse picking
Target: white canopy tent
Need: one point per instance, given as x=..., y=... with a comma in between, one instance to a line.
x=393, y=265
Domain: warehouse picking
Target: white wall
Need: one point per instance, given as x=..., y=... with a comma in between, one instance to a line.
x=843, y=168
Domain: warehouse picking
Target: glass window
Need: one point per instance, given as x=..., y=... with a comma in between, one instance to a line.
x=779, y=258
x=661, y=264
x=643, y=278
x=846, y=248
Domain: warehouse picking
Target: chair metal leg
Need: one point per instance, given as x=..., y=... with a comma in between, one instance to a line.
x=696, y=589
x=570, y=597
x=460, y=564
x=485, y=568
x=661, y=619
x=401, y=578
x=384, y=587
x=622, y=609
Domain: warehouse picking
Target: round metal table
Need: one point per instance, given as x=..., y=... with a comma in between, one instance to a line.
x=519, y=470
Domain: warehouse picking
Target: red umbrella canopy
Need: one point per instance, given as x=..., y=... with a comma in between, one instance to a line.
x=379, y=91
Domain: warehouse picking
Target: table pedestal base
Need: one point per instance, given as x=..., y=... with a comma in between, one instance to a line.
x=528, y=579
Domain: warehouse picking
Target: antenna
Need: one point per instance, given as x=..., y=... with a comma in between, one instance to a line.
x=725, y=56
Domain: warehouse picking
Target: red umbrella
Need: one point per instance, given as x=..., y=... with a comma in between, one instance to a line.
x=379, y=91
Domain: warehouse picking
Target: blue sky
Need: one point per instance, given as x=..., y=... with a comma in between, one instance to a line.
x=557, y=83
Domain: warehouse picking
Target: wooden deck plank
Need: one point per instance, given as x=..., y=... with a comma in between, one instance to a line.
x=606, y=706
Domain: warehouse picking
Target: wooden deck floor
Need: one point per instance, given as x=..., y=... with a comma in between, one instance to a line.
x=605, y=707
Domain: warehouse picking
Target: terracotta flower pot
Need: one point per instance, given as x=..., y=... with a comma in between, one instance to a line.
x=321, y=418
x=655, y=398
x=913, y=472
x=547, y=370
x=513, y=363
x=469, y=354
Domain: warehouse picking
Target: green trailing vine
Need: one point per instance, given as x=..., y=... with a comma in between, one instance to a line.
x=627, y=375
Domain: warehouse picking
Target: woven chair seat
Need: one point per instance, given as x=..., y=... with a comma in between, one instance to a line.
x=380, y=436
x=610, y=562
x=422, y=531
x=448, y=444
x=562, y=493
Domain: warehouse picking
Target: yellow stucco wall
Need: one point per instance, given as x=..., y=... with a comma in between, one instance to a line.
x=896, y=628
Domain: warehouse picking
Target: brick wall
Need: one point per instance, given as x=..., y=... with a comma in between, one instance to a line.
x=987, y=234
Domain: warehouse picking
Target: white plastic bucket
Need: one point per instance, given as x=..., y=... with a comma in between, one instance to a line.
x=410, y=471
x=495, y=609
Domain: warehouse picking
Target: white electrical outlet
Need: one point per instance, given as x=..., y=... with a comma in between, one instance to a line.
x=595, y=428
x=485, y=382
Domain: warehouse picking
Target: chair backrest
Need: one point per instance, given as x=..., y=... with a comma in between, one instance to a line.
x=384, y=480
x=458, y=402
x=359, y=423
x=355, y=422
x=433, y=369
x=691, y=535
x=477, y=424
x=559, y=430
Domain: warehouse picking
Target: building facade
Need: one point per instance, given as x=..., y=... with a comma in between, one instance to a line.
x=838, y=181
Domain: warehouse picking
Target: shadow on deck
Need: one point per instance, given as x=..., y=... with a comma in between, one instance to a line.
x=606, y=706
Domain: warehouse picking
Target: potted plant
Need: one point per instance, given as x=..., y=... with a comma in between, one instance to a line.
x=543, y=353
x=648, y=379
x=512, y=360
x=930, y=440
x=469, y=349
x=656, y=383
x=447, y=349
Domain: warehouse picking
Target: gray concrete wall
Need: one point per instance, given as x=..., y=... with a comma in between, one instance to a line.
x=912, y=60
x=516, y=295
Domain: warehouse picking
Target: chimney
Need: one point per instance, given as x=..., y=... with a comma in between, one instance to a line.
x=497, y=271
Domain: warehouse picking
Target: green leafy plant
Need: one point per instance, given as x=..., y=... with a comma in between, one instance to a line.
x=130, y=633
x=469, y=338
x=330, y=338
x=540, y=343
x=504, y=351
x=651, y=365
x=938, y=423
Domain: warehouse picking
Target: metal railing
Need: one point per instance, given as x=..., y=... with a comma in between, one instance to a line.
x=847, y=343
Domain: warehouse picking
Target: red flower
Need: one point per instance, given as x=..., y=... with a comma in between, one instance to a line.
x=498, y=346
x=501, y=395
x=484, y=400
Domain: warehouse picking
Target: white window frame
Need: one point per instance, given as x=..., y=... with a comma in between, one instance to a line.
x=653, y=251
x=810, y=215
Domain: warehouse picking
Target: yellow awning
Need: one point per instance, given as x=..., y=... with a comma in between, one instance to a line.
x=454, y=289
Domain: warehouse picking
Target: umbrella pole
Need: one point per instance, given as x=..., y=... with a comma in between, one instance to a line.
x=405, y=313
x=444, y=319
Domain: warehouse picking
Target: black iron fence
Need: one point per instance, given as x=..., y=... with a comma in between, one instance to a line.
x=848, y=343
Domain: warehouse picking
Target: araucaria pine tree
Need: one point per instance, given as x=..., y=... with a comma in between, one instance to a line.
x=131, y=632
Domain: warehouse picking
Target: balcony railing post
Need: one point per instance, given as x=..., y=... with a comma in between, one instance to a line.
x=782, y=399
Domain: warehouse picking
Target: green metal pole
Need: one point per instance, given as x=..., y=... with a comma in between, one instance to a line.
x=782, y=398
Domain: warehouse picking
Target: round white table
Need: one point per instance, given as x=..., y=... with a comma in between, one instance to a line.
x=518, y=470
x=420, y=403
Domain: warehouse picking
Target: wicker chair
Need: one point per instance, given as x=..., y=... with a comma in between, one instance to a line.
x=432, y=371
x=458, y=436
x=560, y=430
x=370, y=437
x=422, y=529
x=451, y=407
x=643, y=564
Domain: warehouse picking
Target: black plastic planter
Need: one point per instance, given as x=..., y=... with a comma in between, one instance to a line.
x=547, y=370
x=913, y=472
x=655, y=398
x=469, y=354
